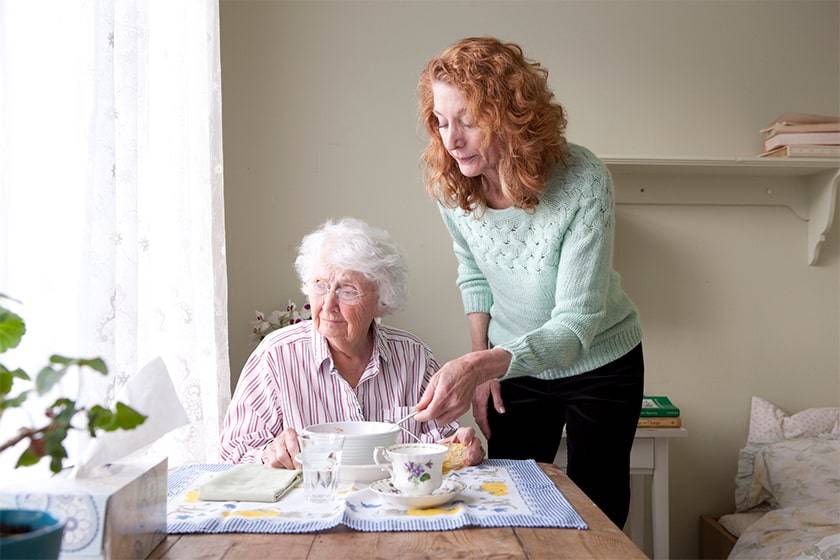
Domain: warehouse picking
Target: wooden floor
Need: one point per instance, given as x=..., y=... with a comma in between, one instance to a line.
x=602, y=541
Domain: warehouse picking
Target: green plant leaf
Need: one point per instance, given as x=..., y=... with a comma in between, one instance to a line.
x=12, y=329
x=425, y=477
x=47, y=378
x=7, y=377
x=5, y=381
x=98, y=418
x=54, y=439
x=13, y=402
x=93, y=363
x=64, y=411
x=124, y=418
x=97, y=364
x=57, y=461
x=63, y=360
x=27, y=458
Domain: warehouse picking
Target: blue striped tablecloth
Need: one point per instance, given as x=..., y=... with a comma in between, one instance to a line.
x=499, y=493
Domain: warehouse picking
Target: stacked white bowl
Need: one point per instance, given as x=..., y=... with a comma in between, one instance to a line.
x=360, y=438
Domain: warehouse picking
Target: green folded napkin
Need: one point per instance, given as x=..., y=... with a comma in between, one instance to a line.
x=249, y=483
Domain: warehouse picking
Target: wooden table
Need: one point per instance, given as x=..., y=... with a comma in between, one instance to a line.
x=603, y=540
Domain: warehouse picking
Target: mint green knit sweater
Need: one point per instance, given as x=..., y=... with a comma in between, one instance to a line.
x=546, y=277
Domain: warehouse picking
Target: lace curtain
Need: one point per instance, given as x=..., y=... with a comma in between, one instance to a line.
x=111, y=195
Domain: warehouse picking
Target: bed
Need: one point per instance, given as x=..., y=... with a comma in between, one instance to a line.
x=787, y=488
x=716, y=542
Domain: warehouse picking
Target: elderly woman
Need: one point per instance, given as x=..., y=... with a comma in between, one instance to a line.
x=343, y=365
x=531, y=219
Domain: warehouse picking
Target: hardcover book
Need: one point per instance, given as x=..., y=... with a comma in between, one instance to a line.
x=790, y=138
x=779, y=128
x=660, y=422
x=658, y=406
x=804, y=151
x=802, y=118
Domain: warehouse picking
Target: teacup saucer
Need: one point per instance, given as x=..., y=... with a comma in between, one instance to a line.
x=362, y=473
x=447, y=492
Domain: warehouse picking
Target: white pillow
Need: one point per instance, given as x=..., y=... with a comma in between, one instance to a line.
x=790, y=473
x=769, y=423
x=801, y=471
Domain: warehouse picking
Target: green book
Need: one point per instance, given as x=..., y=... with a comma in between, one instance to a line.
x=658, y=406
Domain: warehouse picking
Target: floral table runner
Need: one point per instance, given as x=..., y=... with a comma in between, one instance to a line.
x=499, y=493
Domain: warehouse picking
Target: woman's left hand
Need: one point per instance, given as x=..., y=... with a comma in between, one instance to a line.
x=466, y=437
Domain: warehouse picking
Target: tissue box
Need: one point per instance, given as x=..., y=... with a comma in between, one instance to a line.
x=120, y=512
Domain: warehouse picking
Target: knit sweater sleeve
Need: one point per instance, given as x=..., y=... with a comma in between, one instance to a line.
x=475, y=289
x=583, y=279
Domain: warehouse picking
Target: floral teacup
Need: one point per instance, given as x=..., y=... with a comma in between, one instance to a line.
x=416, y=468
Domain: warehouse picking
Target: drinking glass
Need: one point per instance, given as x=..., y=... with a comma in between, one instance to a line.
x=320, y=455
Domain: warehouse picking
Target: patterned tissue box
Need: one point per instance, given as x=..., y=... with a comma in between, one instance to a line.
x=119, y=513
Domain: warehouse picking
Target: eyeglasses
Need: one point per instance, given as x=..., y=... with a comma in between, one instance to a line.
x=346, y=294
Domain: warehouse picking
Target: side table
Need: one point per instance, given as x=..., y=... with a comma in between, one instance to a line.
x=649, y=456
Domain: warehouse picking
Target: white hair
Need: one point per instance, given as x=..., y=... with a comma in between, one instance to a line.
x=351, y=245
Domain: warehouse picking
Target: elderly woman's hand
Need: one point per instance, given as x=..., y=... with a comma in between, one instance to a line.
x=466, y=437
x=280, y=452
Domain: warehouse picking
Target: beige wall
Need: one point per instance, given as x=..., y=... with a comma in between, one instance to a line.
x=320, y=122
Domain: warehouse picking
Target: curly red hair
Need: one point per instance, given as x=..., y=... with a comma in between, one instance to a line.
x=509, y=98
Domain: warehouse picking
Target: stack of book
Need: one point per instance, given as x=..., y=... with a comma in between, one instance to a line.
x=659, y=412
x=799, y=135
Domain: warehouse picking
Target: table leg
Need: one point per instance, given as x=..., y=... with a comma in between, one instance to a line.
x=659, y=505
x=637, y=510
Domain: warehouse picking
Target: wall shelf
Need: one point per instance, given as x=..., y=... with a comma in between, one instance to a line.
x=808, y=187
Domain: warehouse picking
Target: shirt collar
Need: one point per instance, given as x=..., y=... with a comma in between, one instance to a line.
x=380, y=346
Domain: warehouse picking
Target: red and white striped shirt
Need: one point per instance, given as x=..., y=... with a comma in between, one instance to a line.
x=290, y=381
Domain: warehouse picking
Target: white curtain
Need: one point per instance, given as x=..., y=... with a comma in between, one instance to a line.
x=111, y=195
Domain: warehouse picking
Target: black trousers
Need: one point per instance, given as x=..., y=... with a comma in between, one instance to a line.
x=600, y=410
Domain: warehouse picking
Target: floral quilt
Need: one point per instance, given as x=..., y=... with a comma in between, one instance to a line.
x=800, y=479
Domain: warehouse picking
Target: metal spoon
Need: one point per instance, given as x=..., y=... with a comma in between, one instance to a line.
x=415, y=438
x=409, y=417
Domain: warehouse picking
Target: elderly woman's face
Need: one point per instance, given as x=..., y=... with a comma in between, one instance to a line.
x=344, y=305
x=461, y=137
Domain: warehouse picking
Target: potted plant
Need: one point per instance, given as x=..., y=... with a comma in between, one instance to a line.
x=37, y=534
x=26, y=533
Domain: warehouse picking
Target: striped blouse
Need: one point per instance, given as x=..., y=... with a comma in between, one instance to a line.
x=290, y=381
